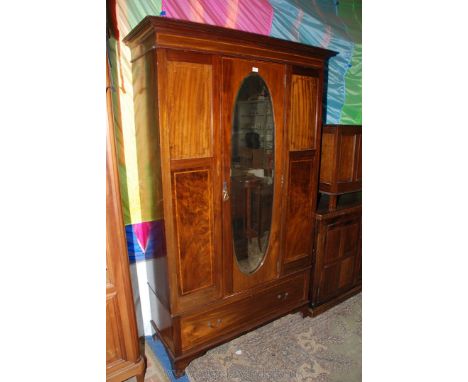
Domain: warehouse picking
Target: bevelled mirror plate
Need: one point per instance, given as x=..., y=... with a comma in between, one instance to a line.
x=252, y=172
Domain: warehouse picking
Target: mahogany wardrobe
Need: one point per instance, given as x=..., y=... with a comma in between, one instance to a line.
x=235, y=120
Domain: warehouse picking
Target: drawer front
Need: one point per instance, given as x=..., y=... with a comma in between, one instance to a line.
x=204, y=326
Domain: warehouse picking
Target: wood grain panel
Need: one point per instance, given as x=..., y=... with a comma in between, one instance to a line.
x=189, y=100
x=329, y=282
x=115, y=347
x=337, y=253
x=327, y=161
x=340, y=166
x=350, y=237
x=193, y=209
x=302, y=126
x=332, y=245
x=346, y=272
x=299, y=222
x=347, y=158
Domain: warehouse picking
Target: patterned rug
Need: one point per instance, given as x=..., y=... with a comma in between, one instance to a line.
x=326, y=348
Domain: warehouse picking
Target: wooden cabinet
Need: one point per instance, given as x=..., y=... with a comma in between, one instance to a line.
x=123, y=358
x=337, y=270
x=341, y=164
x=238, y=123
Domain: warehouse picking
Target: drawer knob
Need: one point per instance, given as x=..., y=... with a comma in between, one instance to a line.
x=214, y=325
x=279, y=296
x=285, y=295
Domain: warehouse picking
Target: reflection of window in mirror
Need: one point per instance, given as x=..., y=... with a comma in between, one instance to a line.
x=252, y=170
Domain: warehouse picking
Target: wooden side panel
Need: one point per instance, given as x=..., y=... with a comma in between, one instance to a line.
x=193, y=211
x=115, y=347
x=303, y=122
x=190, y=109
x=327, y=162
x=299, y=214
x=347, y=158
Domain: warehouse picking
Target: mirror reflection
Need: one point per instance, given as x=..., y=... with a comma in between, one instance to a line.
x=252, y=172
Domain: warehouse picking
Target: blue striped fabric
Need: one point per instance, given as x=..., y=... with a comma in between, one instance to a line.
x=316, y=23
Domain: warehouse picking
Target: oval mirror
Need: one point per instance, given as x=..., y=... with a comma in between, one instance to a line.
x=252, y=172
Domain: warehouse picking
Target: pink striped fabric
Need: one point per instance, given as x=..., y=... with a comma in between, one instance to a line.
x=248, y=15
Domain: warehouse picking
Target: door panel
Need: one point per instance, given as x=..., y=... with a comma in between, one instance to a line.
x=188, y=107
x=190, y=94
x=347, y=158
x=194, y=225
x=234, y=73
x=303, y=131
x=302, y=122
x=340, y=261
x=299, y=213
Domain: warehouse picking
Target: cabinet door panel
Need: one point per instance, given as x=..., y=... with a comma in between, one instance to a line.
x=346, y=272
x=235, y=71
x=351, y=238
x=332, y=245
x=299, y=213
x=327, y=162
x=194, y=225
x=190, y=93
x=339, y=258
x=329, y=282
x=303, y=114
x=190, y=173
x=303, y=132
x=347, y=158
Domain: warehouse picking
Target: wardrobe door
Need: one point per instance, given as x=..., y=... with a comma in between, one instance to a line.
x=303, y=143
x=190, y=164
x=252, y=119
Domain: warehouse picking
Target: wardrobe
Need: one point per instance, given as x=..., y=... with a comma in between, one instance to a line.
x=236, y=119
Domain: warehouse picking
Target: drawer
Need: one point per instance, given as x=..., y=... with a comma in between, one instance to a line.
x=207, y=325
